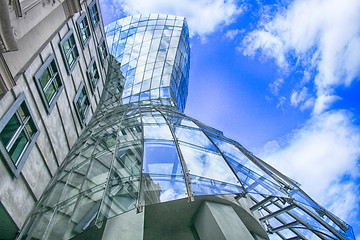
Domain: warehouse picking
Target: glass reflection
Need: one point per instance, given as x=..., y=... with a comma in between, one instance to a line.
x=161, y=158
x=158, y=188
x=207, y=164
x=205, y=186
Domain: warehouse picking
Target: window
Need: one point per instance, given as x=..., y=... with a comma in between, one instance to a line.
x=82, y=103
x=18, y=133
x=84, y=29
x=102, y=50
x=94, y=13
x=49, y=82
x=69, y=51
x=93, y=75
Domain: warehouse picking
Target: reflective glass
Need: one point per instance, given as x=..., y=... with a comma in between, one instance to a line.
x=205, y=186
x=158, y=188
x=207, y=164
x=155, y=131
x=9, y=130
x=194, y=137
x=161, y=158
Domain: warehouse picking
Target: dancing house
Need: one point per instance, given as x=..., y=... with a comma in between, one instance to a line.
x=142, y=169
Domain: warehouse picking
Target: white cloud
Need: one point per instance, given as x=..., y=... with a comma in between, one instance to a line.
x=231, y=34
x=281, y=102
x=322, y=35
x=203, y=16
x=302, y=98
x=275, y=86
x=318, y=156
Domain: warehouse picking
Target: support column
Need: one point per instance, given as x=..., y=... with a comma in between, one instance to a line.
x=216, y=221
x=129, y=225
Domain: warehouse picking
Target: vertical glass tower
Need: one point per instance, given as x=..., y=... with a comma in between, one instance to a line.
x=144, y=170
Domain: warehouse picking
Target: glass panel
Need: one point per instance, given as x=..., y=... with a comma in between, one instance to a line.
x=58, y=81
x=41, y=223
x=98, y=174
x=158, y=188
x=45, y=77
x=161, y=158
x=205, y=186
x=121, y=195
x=87, y=207
x=18, y=147
x=303, y=199
x=254, y=182
x=70, y=59
x=206, y=164
x=9, y=130
x=66, y=46
x=311, y=221
x=154, y=131
x=195, y=137
x=23, y=111
x=128, y=160
x=50, y=92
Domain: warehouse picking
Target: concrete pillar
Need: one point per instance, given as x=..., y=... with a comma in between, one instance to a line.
x=126, y=226
x=216, y=221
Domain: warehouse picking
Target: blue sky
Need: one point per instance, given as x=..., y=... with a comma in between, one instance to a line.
x=281, y=78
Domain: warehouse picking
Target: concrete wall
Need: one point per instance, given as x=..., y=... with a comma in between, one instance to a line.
x=60, y=128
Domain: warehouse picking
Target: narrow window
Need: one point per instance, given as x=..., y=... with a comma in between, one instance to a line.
x=69, y=51
x=94, y=14
x=84, y=29
x=93, y=75
x=82, y=103
x=49, y=82
x=102, y=50
x=18, y=133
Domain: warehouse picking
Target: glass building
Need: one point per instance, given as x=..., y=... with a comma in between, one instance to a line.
x=142, y=169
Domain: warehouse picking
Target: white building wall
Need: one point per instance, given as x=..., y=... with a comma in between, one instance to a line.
x=38, y=34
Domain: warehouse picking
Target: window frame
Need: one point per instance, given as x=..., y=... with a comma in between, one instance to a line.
x=93, y=85
x=76, y=98
x=100, y=51
x=80, y=30
x=16, y=167
x=90, y=7
x=67, y=37
x=47, y=64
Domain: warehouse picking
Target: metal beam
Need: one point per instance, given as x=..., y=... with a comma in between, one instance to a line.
x=285, y=209
x=261, y=203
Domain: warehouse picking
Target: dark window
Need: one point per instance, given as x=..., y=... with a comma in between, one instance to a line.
x=18, y=133
x=69, y=51
x=102, y=50
x=94, y=13
x=82, y=103
x=84, y=29
x=49, y=82
x=93, y=75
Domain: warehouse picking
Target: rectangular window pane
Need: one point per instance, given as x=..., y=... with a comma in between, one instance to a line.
x=50, y=92
x=66, y=46
x=18, y=134
x=30, y=127
x=49, y=82
x=45, y=77
x=18, y=147
x=9, y=130
x=70, y=59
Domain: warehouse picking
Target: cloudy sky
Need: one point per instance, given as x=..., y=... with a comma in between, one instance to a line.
x=281, y=78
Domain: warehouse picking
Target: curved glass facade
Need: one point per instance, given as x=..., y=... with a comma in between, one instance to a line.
x=140, y=149
x=154, y=53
